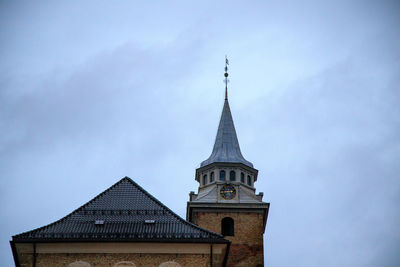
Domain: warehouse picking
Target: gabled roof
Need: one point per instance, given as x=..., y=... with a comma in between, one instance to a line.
x=226, y=146
x=123, y=212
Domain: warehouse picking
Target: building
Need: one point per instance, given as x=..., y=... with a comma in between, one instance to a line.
x=123, y=226
x=126, y=226
x=226, y=202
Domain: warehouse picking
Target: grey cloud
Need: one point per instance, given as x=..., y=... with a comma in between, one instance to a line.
x=314, y=95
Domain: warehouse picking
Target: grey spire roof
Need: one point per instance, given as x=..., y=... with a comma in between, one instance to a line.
x=226, y=147
x=124, y=212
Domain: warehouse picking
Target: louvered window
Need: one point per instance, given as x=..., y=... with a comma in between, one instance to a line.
x=222, y=175
x=232, y=176
x=204, y=179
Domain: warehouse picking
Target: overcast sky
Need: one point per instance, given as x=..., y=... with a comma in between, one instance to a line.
x=92, y=91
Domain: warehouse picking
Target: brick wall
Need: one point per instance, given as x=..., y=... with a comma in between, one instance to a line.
x=111, y=259
x=247, y=243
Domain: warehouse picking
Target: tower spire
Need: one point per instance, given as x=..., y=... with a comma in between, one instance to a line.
x=226, y=77
x=226, y=147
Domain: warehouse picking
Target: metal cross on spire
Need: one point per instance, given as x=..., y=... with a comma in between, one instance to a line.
x=226, y=77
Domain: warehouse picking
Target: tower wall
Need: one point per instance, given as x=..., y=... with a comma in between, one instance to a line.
x=247, y=248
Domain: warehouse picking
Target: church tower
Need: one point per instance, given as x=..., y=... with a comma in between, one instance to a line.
x=226, y=202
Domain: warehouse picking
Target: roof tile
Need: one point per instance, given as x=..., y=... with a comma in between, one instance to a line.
x=124, y=208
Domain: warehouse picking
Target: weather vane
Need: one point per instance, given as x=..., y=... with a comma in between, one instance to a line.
x=226, y=77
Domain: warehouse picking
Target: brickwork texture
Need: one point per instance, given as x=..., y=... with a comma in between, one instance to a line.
x=112, y=259
x=247, y=243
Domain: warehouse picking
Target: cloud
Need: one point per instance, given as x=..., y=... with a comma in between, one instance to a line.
x=332, y=165
x=314, y=94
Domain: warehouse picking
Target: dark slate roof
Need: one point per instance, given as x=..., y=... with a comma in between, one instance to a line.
x=226, y=146
x=129, y=214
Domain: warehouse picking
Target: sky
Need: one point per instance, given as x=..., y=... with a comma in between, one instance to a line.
x=92, y=91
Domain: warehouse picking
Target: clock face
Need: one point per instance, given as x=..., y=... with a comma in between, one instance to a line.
x=228, y=192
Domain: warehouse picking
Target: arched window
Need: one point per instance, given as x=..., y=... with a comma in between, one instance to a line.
x=204, y=179
x=227, y=227
x=232, y=176
x=170, y=264
x=211, y=177
x=222, y=175
x=242, y=177
x=125, y=264
x=248, y=180
x=79, y=264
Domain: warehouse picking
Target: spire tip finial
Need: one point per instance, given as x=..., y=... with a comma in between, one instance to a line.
x=226, y=77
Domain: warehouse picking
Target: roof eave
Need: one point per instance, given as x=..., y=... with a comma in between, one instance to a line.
x=142, y=240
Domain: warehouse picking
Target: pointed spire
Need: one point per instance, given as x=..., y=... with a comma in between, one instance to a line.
x=226, y=146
